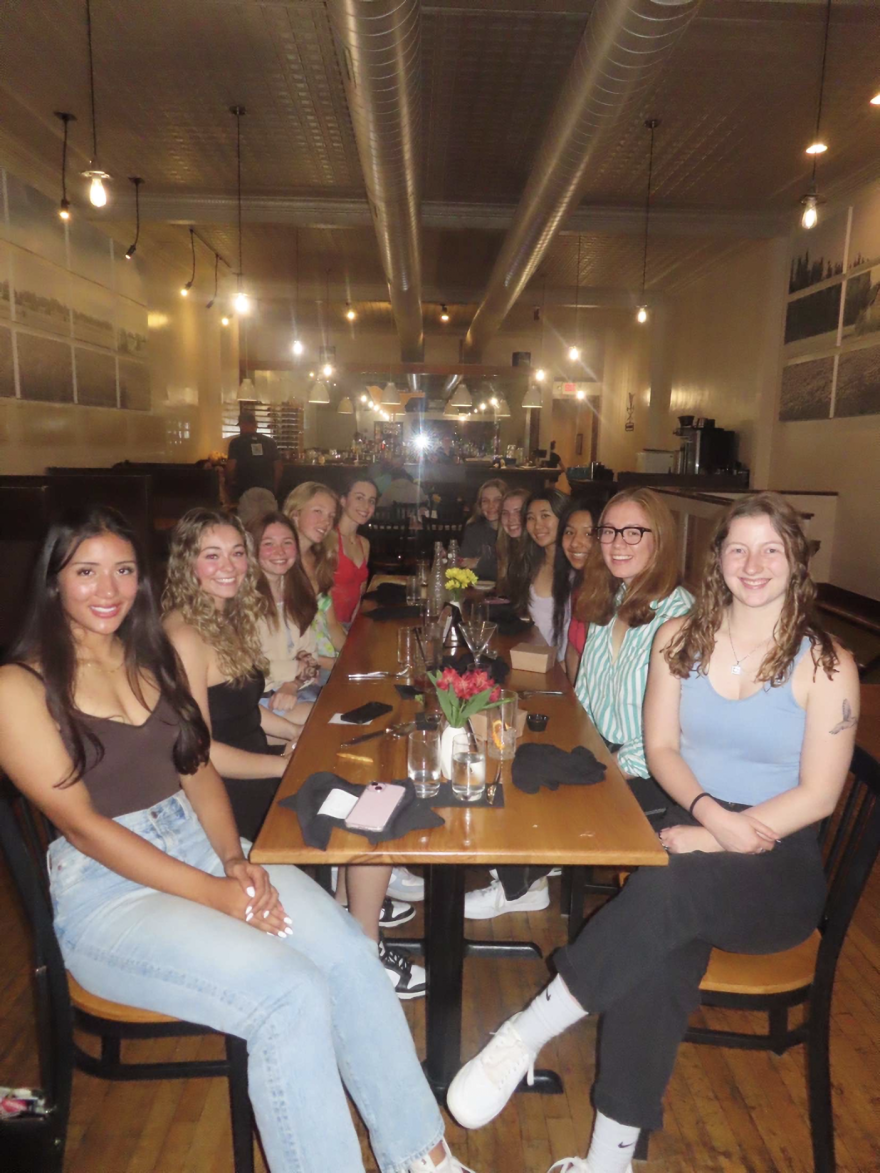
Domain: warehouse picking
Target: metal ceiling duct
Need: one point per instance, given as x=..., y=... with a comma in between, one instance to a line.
x=623, y=47
x=381, y=65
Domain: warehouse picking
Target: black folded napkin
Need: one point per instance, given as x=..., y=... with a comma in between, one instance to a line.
x=395, y=612
x=408, y=692
x=509, y=623
x=538, y=764
x=388, y=593
x=412, y=814
x=498, y=669
x=445, y=797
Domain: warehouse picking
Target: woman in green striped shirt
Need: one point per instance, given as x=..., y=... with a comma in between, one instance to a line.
x=630, y=588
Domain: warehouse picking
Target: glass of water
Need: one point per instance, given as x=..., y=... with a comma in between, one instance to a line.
x=468, y=769
x=413, y=591
x=405, y=649
x=423, y=761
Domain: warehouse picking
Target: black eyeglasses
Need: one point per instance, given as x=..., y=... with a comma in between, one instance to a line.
x=631, y=534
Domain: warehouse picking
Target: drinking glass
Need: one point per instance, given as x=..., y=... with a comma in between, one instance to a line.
x=468, y=769
x=413, y=591
x=476, y=611
x=423, y=569
x=405, y=649
x=426, y=648
x=423, y=761
x=478, y=636
x=501, y=727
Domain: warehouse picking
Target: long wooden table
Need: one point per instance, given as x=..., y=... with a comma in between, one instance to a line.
x=579, y=825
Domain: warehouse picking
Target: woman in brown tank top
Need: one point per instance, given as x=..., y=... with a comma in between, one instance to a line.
x=155, y=903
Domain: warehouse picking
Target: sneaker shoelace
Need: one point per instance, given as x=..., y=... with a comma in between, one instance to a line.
x=505, y=1056
x=399, y=960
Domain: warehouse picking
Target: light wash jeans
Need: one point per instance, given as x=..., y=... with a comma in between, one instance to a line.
x=316, y=1008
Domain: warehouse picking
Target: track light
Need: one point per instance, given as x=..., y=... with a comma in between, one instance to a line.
x=64, y=205
x=349, y=312
x=224, y=321
x=242, y=302
x=444, y=314
x=132, y=248
x=297, y=347
x=365, y=398
x=875, y=101
x=94, y=172
x=642, y=315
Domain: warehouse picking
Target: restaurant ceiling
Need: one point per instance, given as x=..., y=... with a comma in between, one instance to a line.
x=737, y=106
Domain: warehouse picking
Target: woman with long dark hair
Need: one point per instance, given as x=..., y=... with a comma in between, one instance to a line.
x=155, y=903
x=212, y=608
x=576, y=530
x=535, y=587
x=750, y=721
x=357, y=506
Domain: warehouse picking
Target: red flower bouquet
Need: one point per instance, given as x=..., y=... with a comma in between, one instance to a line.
x=463, y=695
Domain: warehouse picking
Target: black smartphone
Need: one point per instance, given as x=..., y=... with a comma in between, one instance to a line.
x=363, y=714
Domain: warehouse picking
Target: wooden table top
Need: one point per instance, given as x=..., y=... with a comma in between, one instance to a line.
x=600, y=824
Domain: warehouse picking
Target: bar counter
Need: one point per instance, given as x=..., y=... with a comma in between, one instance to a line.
x=448, y=480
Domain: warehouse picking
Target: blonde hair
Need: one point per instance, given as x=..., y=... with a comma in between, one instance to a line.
x=595, y=601
x=494, y=483
x=324, y=553
x=694, y=642
x=506, y=546
x=233, y=632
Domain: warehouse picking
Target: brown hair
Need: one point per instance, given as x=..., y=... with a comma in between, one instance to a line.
x=694, y=643
x=508, y=549
x=494, y=483
x=325, y=553
x=299, y=598
x=595, y=602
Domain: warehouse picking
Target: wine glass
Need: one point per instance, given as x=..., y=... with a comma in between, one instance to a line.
x=478, y=636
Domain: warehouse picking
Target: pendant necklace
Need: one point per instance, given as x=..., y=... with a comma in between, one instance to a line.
x=736, y=670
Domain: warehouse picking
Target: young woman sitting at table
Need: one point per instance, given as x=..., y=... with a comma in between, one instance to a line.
x=481, y=531
x=750, y=720
x=155, y=903
x=511, y=533
x=358, y=504
x=285, y=624
x=211, y=608
x=568, y=578
x=313, y=508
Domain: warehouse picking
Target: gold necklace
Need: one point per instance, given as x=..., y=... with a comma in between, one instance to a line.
x=736, y=670
x=101, y=667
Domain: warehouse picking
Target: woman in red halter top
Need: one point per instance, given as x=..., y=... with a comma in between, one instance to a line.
x=353, y=552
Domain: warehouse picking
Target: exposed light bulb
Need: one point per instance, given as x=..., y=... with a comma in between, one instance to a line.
x=642, y=314
x=444, y=314
x=297, y=347
x=365, y=399
x=817, y=148
x=97, y=192
x=64, y=210
x=875, y=101
x=311, y=374
x=494, y=401
x=224, y=321
x=349, y=313
x=540, y=375
x=185, y=291
x=130, y=251
x=483, y=406
x=580, y=394
x=573, y=353
x=810, y=213
x=327, y=370
x=242, y=303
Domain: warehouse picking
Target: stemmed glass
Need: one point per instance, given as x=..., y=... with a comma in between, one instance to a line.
x=478, y=636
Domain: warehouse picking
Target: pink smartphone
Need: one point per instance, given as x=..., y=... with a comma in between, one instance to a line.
x=376, y=805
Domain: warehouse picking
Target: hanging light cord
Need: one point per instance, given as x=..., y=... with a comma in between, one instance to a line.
x=192, y=241
x=92, y=80
x=822, y=82
x=238, y=155
x=652, y=126
x=216, y=273
x=577, y=295
x=137, y=210
x=66, y=122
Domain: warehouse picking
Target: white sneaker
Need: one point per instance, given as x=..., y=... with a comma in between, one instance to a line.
x=485, y=903
x=493, y=872
x=570, y=1165
x=409, y=980
x=483, y=1086
x=403, y=885
x=449, y=1164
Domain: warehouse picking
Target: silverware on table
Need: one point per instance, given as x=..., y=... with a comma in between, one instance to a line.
x=541, y=692
x=372, y=675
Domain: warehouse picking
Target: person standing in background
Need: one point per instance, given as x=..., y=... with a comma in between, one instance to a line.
x=253, y=461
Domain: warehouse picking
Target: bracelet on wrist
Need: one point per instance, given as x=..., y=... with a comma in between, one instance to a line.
x=702, y=794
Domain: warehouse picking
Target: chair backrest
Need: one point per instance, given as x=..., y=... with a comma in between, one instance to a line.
x=850, y=842
x=24, y=836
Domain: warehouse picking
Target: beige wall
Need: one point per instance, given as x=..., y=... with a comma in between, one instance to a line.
x=627, y=355
x=101, y=359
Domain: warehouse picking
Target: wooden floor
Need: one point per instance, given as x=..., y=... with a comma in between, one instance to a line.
x=725, y=1110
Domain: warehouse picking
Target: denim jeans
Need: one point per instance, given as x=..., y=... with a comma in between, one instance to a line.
x=316, y=1009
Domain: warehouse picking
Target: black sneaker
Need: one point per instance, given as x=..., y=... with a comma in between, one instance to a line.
x=395, y=912
x=408, y=979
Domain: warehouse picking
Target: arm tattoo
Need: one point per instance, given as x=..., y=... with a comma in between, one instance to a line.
x=847, y=721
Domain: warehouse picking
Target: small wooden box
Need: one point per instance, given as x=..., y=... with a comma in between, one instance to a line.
x=532, y=657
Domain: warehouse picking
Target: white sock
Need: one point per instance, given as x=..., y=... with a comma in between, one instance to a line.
x=553, y=1011
x=612, y=1146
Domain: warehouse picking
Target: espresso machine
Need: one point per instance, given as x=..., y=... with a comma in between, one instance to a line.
x=704, y=448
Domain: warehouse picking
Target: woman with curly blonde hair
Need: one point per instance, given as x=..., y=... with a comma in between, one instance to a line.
x=313, y=509
x=750, y=720
x=211, y=611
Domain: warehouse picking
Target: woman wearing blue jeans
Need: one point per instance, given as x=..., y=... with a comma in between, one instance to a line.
x=155, y=902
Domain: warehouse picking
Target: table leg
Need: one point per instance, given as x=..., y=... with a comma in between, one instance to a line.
x=444, y=962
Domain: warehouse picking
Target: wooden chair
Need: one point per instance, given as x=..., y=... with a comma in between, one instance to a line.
x=775, y=982
x=62, y=1005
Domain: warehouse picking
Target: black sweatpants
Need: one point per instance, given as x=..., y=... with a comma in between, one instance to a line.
x=640, y=960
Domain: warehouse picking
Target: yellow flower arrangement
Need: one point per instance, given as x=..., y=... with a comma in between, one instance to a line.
x=458, y=581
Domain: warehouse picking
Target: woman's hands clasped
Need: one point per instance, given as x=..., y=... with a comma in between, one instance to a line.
x=248, y=895
x=724, y=830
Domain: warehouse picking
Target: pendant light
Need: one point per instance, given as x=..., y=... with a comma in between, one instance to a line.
x=297, y=346
x=349, y=311
x=242, y=301
x=132, y=248
x=208, y=304
x=192, y=241
x=444, y=313
x=502, y=408
x=532, y=397
x=94, y=172
x=346, y=407
x=810, y=202
x=64, y=205
x=574, y=352
x=390, y=395
x=319, y=393
x=462, y=397
x=642, y=312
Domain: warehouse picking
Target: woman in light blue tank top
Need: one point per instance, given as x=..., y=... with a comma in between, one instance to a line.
x=750, y=719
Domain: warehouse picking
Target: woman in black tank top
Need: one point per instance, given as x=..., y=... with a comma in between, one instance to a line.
x=156, y=905
x=211, y=610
